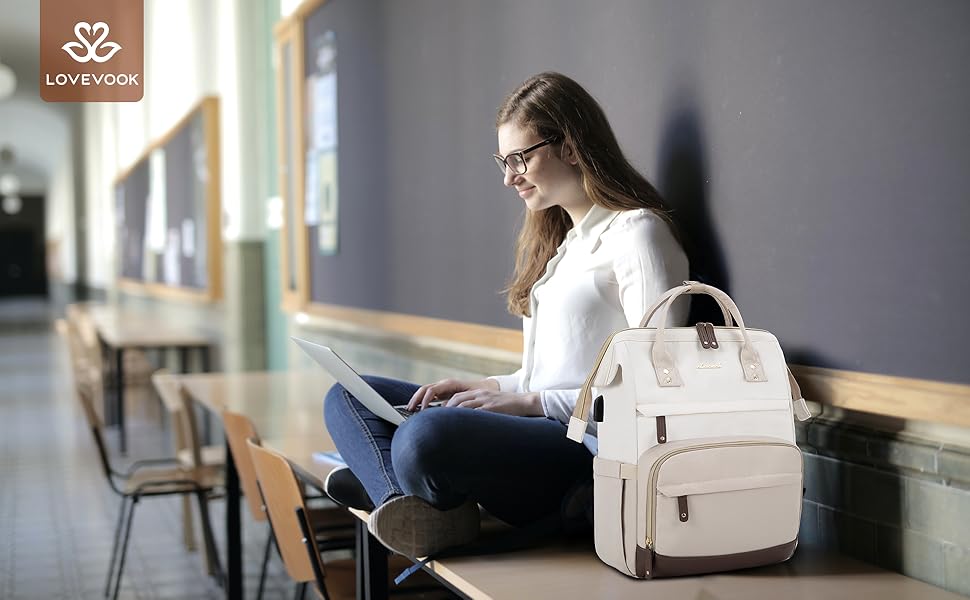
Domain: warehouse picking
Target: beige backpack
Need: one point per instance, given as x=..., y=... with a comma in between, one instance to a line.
x=697, y=469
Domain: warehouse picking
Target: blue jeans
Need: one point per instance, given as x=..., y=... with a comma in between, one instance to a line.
x=518, y=468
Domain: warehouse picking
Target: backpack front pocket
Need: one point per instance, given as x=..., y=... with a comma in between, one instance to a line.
x=719, y=497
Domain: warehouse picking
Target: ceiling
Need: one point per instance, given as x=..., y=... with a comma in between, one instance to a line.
x=19, y=38
x=38, y=132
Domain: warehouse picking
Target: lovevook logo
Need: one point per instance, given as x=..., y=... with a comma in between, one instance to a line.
x=92, y=59
x=85, y=32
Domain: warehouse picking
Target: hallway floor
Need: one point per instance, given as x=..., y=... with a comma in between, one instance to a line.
x=57, y=513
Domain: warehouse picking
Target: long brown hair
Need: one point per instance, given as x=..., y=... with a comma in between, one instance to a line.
x=553, y=105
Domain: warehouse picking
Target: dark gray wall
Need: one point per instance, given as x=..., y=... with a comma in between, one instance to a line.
x=132, y=193
x=355, y=276
x=816, y=153
x=185, y=199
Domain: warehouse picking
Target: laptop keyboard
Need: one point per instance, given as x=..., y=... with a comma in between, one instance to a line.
x=404, y=412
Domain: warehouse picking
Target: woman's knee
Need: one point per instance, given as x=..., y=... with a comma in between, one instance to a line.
x=424, y=447
x=415, y=441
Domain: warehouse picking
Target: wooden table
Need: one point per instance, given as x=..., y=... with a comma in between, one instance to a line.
x=121, y=329
x=287, y=410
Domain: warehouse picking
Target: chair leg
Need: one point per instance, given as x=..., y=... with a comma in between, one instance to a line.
x=208, y=539
x=300, y=591
x=262, y=573
x=114, y=546
x=188, y=527
x=124, y=547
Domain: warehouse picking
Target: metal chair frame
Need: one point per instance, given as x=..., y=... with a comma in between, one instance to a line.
x=162, y=485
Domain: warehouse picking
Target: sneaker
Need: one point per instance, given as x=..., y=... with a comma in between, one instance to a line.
x=410, y=526
x=345, y=489
x=577, y=508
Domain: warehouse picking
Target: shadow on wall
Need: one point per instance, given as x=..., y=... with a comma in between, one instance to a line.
x=854, y=494
x=682, y=179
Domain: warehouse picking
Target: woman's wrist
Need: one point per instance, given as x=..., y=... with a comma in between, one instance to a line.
x=490, y=384
x=534, y=403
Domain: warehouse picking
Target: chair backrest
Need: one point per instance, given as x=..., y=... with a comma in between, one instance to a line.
x=74, y=348
x=283, y=496
x=187, y=427
x=83, y=324
x=87, y=364
x=239, y=429
x=96, y=427
x=68, y=329
x=74, y=310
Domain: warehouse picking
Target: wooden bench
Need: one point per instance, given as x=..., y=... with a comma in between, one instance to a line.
x=286, y=409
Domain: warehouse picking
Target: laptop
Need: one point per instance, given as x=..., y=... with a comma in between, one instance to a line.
x=354, y=383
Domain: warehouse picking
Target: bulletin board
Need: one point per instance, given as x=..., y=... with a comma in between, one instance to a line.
x=331, y=137
x=167, y=208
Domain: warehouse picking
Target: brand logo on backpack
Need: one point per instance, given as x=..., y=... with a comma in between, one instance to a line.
x=709, y=366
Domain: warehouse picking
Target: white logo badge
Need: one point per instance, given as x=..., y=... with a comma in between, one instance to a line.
x=709, y=366
x=92, y=54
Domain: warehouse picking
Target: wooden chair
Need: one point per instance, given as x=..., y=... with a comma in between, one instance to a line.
x=328, y=523
x=205, y=462
x=287, y=513
x=138, y=368
x=85, y=374
x=144, y=479
x=88, y=364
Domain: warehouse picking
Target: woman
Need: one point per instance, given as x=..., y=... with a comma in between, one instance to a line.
x=597, y=248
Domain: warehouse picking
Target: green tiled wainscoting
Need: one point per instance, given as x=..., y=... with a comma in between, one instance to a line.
x=892, y=499
x=896, y=501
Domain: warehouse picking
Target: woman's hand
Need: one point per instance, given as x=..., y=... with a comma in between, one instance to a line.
x=510, y=403
x=446, y=388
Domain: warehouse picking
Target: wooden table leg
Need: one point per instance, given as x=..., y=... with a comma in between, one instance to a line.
x=234, y=574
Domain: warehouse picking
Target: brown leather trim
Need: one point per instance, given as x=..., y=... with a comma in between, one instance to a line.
x=711, y=336
x=644, y=563
x=623, y=521
x=702, y=334
x=661, y=430
x=673, y=566
x=682, y=508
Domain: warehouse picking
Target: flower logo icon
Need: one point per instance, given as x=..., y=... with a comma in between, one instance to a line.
x=85, y=32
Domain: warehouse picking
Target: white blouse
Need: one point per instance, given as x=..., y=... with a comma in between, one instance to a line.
x=610, y=268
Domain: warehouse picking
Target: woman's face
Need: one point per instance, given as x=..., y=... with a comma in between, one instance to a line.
x=549, y=180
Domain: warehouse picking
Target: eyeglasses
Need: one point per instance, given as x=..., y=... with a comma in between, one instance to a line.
x=516, y=160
